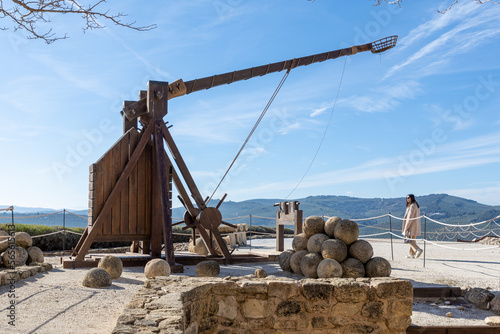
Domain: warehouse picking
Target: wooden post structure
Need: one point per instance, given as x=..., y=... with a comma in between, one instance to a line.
x=288, y=214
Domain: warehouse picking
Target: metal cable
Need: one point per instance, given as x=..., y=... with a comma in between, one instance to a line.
x=324, y=133
x=252, y=131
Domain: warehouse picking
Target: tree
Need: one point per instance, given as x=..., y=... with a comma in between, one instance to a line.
x=398, y=2
x=26, y=15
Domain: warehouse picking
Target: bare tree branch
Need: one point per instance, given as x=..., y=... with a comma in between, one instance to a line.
x=25, y=15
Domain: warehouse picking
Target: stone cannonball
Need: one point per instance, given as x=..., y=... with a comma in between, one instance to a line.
x=199, y=248
x=4, y=245
x=334, y=249
x=330, y=225
x=329, y=268
x=361, y=250
x=313, y=225
x=207, y=269
x=352, y=268
x=299, y=242
x=18, y=255
x=284, y=260
x=157, y=267
x=35, y=254
x=23, y=240
x=314, y=243
x=378, y=267
x=309, y=264
x=295, y=261
x=347, y=231
x=260, y=273
x=112, y=264
x=97, y=278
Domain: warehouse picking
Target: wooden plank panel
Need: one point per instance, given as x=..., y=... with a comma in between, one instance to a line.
x=99, y=192
x=108, y=183
x=114, y=195
x=133, y=189
x=149, y=179
x=116, y=170
x=121, y=237
x=141, y=191
x=124, y=157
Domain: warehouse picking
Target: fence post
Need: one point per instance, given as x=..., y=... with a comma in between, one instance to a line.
x=390, y=229
x=425, y=234
x=250, y=233
x=64, y=230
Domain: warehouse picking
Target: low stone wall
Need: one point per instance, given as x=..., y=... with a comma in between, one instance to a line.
x=8, y=276
x=272, y=305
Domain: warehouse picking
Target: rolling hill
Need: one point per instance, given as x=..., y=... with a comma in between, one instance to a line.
x=440, y=207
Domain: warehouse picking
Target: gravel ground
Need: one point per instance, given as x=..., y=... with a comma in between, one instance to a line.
x=56, y=302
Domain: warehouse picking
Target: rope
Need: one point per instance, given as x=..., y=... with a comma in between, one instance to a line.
x=324, y=133
x=48, y=214
x=372, y=235
x=74, y=214
x=10, y=208
x=435, y=244
x=263, y=217
x=56, y=232
x=253, y=129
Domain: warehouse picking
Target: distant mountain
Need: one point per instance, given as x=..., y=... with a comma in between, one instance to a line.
x=441, y=207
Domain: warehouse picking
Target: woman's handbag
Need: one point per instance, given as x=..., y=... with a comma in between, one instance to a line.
x=407, y=239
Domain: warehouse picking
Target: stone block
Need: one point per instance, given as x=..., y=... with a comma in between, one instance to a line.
x=398, y=323
x=351, y=292
x=255, y=308
x=319, y=307
x=283, y=290
x=228, y=308
x=318, y=322
x=224, y=288
x=338, y=320
x=495, y=304
x=373, y=310
x=251, y=287
x=288, y=308
x=316, y=290
x=347, y=310
x=402, y=307
x=24, y=273
x=479, y=297
x=392, y=288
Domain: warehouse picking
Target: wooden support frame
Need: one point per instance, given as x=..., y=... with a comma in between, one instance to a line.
x=159, y=221
x=288, y=214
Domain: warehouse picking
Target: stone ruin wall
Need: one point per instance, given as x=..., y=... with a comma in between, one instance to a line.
x=270, y=305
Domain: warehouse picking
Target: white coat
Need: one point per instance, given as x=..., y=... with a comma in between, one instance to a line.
x=409, y=221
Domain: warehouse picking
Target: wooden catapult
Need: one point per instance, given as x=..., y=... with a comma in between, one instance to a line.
x=131, y=184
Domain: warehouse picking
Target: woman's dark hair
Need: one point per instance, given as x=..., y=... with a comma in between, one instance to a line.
x=412, y=200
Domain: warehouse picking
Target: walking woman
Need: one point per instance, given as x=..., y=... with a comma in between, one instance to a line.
x=411, y=225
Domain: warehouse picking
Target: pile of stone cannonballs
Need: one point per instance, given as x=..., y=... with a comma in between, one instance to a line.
x=332, y=249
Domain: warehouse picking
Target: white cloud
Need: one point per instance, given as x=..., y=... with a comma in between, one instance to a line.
x=457, y=155
x=459, y=39
x=438, y=22
x=384, y=98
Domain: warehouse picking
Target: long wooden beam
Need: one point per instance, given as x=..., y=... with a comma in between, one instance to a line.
x=179, y=88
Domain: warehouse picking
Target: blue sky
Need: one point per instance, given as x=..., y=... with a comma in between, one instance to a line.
x=422, y=118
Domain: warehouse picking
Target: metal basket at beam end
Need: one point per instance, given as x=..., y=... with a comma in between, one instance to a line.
x=384, y=44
